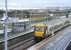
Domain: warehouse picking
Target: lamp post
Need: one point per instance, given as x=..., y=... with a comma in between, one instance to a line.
x=5, y=27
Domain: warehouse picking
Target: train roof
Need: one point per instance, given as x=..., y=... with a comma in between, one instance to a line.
x=40, y=25
x=52, y=22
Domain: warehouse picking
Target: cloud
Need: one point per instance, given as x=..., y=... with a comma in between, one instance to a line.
x=34, y=3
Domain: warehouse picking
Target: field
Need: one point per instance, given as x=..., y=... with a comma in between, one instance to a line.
x=9, y=26
x=38, y=19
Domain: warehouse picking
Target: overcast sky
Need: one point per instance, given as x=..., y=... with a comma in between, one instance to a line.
x=35, y=3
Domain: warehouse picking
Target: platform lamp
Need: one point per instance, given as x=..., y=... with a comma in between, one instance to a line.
x=5, y=27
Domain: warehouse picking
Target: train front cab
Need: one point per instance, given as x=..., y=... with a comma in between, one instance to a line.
x=39, y=31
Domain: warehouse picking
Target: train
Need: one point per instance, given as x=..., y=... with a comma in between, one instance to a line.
x=42, y=30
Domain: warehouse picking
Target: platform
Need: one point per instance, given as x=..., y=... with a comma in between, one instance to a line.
x=57, y=42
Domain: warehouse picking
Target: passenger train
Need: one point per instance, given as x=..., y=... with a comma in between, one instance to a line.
x=42, y=31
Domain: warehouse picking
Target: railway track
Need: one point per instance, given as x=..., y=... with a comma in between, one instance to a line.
x=22, y=42
x=18, y=41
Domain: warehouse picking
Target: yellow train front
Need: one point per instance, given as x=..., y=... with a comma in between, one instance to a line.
x=39, y=31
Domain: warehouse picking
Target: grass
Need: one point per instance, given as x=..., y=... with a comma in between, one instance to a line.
x=1, y=26
x=38, y=19
x=9, y=26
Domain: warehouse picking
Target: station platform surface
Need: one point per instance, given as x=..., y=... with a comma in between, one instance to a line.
x=58, y=42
